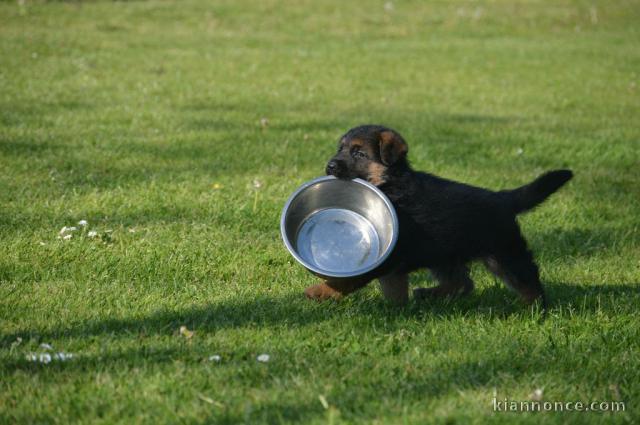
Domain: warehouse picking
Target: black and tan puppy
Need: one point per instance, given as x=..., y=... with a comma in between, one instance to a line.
x=443, y=224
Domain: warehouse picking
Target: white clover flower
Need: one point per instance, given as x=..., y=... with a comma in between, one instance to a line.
x=92, y=233
x=67, y=237
x=31, y=357
x=66, y=231
x=46, y=346
x=185, y=332
x=62, y=356
x=215, y=358
x=536, y=395
x=263, y=358
x=45, y=358
x=83, y=223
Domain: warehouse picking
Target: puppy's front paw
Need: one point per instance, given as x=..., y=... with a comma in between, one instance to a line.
x=322, y=292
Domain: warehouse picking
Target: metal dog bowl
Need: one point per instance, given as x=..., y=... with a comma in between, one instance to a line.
x=339, y=228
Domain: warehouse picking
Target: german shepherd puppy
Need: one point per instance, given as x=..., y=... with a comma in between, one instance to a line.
x=443, y=224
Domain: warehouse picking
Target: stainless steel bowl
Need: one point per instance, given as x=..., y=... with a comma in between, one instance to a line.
x=339, y=228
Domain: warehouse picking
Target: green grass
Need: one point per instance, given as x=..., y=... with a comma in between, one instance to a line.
x=144, y=118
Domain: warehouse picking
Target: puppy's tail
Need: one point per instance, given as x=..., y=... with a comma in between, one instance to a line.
x=533, y=194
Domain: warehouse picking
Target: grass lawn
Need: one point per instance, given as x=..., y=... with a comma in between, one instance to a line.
x=177, y=129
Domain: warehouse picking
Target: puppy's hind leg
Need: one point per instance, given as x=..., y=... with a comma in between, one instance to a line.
x=395, y=287
x=453, y=280
x=520, y=273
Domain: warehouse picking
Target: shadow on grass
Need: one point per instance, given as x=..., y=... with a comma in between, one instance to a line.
x=493, y=303
x=441, y=376
x=417, y=384
x=421, y=383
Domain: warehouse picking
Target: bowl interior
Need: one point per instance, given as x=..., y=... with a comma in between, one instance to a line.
x=339, y=228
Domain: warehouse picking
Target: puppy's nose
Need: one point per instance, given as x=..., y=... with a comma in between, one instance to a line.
x=332, y=167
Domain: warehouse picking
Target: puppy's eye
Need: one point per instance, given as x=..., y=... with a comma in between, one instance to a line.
x=358, y=154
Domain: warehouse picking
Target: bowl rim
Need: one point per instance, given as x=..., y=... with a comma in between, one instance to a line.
x=327, y=273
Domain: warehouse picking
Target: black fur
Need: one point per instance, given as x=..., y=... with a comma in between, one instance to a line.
x=445, y=224
x=531, y=195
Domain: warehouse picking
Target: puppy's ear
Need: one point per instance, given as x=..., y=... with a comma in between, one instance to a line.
x=392, y=147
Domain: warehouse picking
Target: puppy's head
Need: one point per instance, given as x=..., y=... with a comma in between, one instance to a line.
x=368, y=152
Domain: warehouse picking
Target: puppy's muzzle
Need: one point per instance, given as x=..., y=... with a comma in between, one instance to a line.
x=334, y=168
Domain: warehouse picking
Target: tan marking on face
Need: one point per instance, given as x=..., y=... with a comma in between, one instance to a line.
x=355, y=143
x=377, y=173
